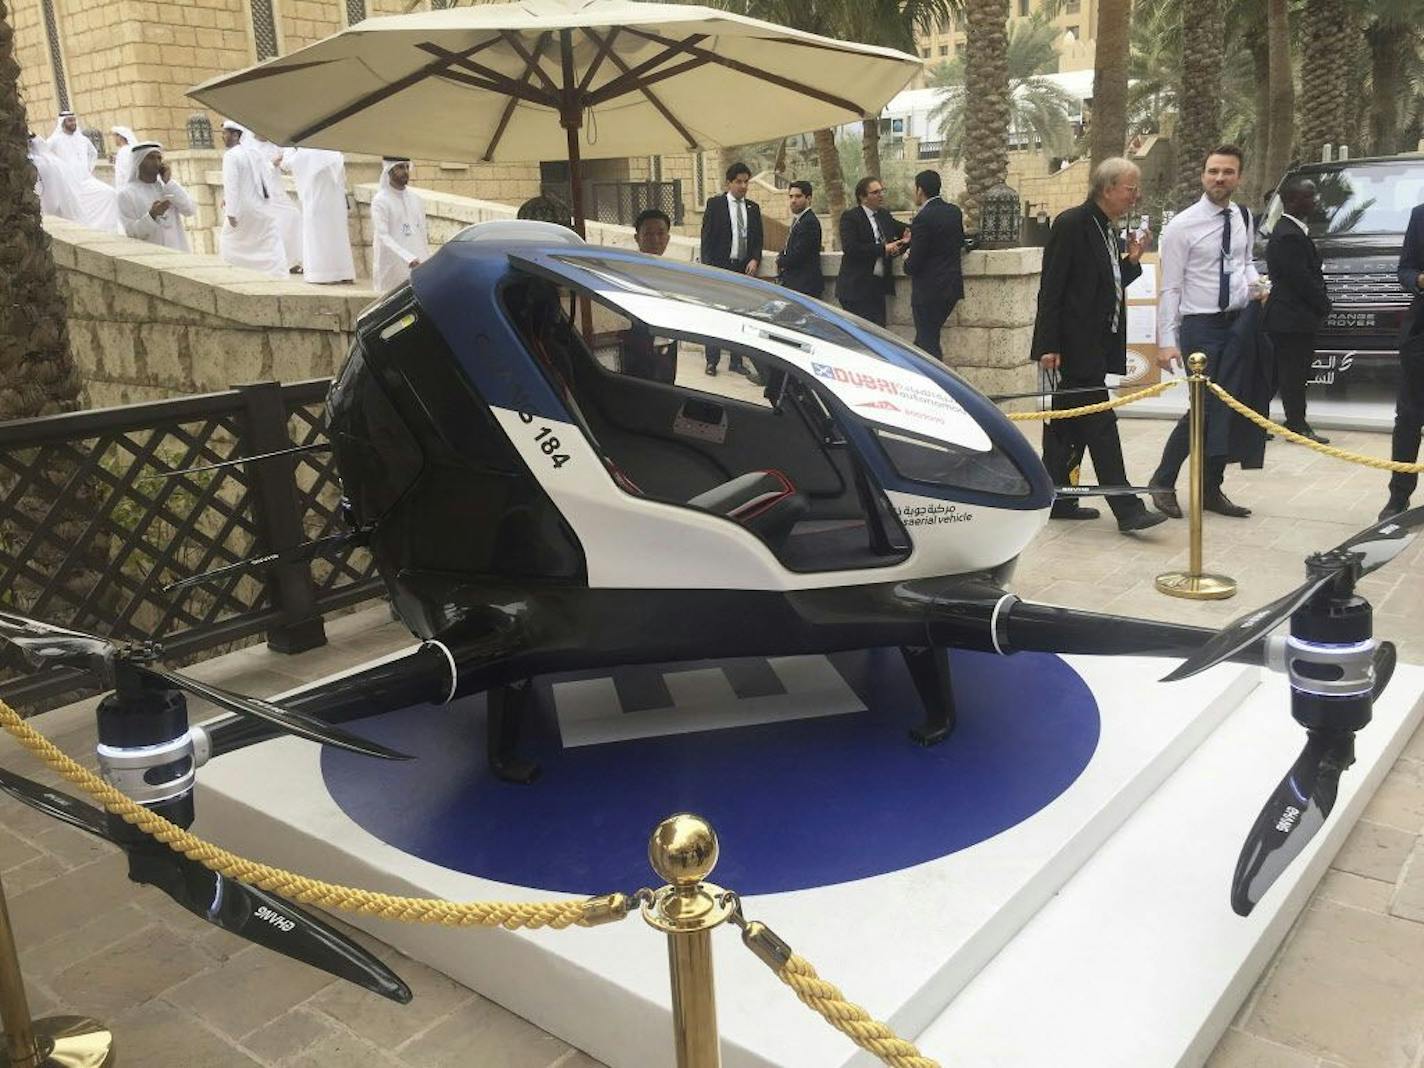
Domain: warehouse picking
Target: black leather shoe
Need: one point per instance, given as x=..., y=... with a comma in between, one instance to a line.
x=753, y=376
x=1219, y=503
x=1166, y=503
x=1305, y=431
x=1073, y=511
x=712, y=371
x=1394, y=507
x=1128, y=524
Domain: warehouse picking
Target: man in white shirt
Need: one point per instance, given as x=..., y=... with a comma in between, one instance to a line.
x=249, y=236
x=326, y=237
x=732, y=240
x=125, y=139
x=98, y=203
x=54, y=187
x=279, y=203
x=151, y=203
x=1208, y=280
x=398, y=237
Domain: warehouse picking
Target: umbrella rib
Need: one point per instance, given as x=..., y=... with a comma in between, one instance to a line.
x=743, y=68
x=534, y=66
x=604, y=44
x=539, y=47
x=622, y=84
x=399, y=85
x=682, y=130
x=673, y=72
x=513, y=89
x=494, y=80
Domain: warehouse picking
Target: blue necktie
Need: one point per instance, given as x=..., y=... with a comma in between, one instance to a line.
x=1223, y=289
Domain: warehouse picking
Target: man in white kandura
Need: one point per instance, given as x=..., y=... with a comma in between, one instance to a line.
x=249, y=235
x=326, y=237
x=279, y=204
x=125, y=139
x=151, y=203
x=53, y=185
x=98, y=203
x=397, y=227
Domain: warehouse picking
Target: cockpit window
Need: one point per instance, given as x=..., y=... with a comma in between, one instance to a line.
x=653, y=279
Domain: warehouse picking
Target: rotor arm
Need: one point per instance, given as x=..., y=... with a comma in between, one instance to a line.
x=1024, y=626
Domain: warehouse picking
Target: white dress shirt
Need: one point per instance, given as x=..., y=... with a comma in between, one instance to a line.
x=1191, y=267
x=738, y=223
x=879, y=269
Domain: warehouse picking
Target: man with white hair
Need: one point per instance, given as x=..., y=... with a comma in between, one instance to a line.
x=151, y=203
x=53, y=185
x=398, y=239
x=326, y=237
x=123, y=161
x=249, y=236
x=98, y=203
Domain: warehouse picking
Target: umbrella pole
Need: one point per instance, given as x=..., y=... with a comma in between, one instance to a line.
x=571, y=118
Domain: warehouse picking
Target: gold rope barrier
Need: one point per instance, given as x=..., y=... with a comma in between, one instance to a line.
x=1397, y=466
x=1093, y=409
x=299, y=888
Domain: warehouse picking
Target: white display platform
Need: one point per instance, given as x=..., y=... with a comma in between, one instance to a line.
x=973, y=949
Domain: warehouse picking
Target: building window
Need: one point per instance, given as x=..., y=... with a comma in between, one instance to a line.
x=1023, y=9
x=264, y=29
x=924, y=53
x=56, y=59
x=1072, y=7
x=944, y=50
x=439, y=5
x=355, y=11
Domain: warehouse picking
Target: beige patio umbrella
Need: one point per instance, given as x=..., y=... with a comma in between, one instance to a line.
x=553, y=79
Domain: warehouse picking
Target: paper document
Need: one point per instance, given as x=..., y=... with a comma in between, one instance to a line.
x=1141, y=326
x=1145, y=285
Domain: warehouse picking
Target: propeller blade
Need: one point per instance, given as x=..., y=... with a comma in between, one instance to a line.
x=1100, y=491
x=1385, y=540
x=1386, y=658
x=319, y=446
x=266, y=919
x=45, y=645
x=997, y=397
x=300, y=724
x=297, y=554
x=1291, y=816
x=61, y=806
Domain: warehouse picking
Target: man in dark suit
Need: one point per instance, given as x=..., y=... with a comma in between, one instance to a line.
x=799, y=266
x=933, y=262
x=1298, y=304
x=870, y=239
x=1409, y=404
x=732, y=240
x=1081, y=333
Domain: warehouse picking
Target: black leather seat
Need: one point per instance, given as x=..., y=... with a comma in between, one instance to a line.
x=765, y=502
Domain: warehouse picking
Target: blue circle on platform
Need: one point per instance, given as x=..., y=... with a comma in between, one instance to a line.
x=796, y=804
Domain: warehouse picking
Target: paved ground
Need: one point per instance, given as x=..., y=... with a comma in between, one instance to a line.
x=1345, y=991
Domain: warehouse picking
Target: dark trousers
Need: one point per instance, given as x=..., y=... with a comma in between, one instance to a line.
x=1408, y=418
x=872, y=309
x=1294, y=355
x=1199, y=333
x=1066, y=441
x=930, y=317
x=714, y=356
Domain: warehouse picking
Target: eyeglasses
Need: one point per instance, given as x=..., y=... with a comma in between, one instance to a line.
x=875, y=192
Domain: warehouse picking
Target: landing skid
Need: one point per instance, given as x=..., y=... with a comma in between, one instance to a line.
x=929, y=670
x=508, y=705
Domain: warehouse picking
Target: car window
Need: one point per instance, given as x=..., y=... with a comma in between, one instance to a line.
x=1368, y=199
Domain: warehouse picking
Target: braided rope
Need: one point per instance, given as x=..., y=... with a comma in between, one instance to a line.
x=1397, y=466
x=1093, y=409
x=848, y=1018
x=297, y=888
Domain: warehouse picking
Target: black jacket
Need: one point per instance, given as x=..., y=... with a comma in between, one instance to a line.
x=1411, y=269
x=860, y=250
x=933, y=259
x=717, y=233
x=799, y=267
x=1298, y=304
x=1076, y=296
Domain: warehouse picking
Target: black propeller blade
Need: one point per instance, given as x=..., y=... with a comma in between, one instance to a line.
x=44, y=645
x=1069, y=391
x=319, y=446
x=1375, y=546
x=1291, y=816
x=1100, y=491
x=256, y=915
x=297, y=554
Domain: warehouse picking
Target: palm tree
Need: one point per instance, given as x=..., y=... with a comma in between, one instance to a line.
x=1107, y=134
x=1039, y=109
x=1280, y=128
x=37, y=374
x=1323, y=81
x=987, y=97
x=1198, y=113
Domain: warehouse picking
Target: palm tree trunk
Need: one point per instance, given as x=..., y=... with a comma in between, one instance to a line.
x=1323, y=79
x=870, y=145
x=1354, y=59
x=37, y=374
x=1199, y=117
x=986, y=100
x=1281, y=126
x=1108, y=133
x=831, y=178
x=1386, y=58
x=1254, y=181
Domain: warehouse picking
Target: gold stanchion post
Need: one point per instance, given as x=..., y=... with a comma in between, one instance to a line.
x=683, y=851
x=1193, y=583
x=54, y=1042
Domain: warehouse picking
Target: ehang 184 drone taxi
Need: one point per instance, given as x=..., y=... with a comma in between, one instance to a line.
x=534, y=511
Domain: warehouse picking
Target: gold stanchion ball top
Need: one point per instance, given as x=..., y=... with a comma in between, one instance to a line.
x=1196, y=363
x=683, y=849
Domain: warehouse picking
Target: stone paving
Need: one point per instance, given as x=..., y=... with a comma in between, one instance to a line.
x=1346, y=989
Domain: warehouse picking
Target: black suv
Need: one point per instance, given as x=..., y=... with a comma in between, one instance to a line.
x=1362, y=210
